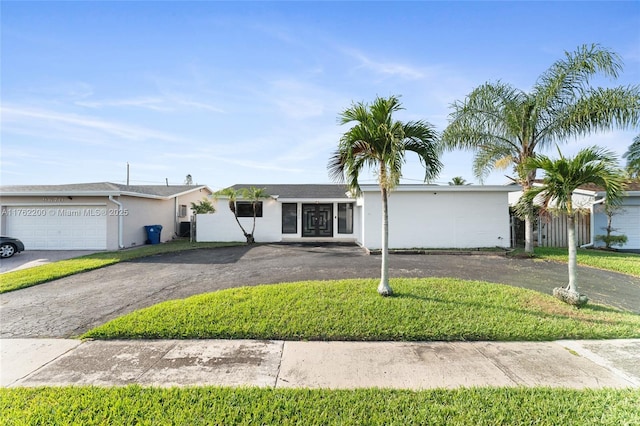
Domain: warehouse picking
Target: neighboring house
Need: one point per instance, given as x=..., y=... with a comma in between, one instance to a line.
x=94, y=216
x=551, y=229
x=420, y=216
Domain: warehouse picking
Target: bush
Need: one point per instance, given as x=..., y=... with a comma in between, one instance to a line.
x=612, y=240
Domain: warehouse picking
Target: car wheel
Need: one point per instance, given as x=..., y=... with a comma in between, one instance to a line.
x=7, y=250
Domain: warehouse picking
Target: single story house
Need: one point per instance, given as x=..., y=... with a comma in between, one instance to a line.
x=94, y=216
x=420, y=216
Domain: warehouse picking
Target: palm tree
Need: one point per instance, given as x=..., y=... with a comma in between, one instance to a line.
x=458, y=181
x=203, y=206
x=563, y=176
x=253, y=195
x=633, y=158
x=379, y=142
x=506, y=126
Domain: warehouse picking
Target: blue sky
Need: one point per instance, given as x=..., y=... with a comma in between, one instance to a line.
x=249, y=92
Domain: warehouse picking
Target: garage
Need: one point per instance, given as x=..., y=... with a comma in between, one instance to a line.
x=47, y=227
x=628, y=223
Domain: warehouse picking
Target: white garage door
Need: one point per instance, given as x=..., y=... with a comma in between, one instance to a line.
x=628, y=223
x=58, y=228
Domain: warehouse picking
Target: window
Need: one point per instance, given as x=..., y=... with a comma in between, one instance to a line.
x=183, y=211
x=345, y=218
x=245, y=209
x=289, y=218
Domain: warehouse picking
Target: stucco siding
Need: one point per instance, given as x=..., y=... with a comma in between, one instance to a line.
x=222, y=226
x=435, y=219
x=187, y=199
x=146, y=211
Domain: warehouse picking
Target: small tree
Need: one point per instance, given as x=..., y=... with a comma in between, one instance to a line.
x=253, y=195
x=562, y=177
x=203, y=206
x=458, y=181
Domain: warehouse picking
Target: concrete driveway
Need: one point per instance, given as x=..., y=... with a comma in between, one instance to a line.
x=73, y=305
x=31, y=258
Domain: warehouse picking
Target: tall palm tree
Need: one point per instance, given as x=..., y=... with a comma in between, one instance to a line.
x=563, y=176
x=253, y=195
x=380, y=143
x=506, y=126
x=633, y=158
x=458, y=181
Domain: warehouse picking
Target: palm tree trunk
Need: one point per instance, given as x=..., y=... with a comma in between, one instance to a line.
x=384, y=289
x=528, y=233
x=529, y=217
x=572, y=264
x=232, y=207
x=569, y=294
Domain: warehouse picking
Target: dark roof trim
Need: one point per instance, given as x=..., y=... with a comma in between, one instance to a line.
x=301, y=191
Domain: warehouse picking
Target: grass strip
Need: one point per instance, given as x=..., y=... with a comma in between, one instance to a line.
x=625, y=263
x=432, y=309
x=249, y=406
x=23, y=278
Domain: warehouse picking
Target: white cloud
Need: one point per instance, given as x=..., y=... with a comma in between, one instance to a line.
x=160, y=104
x=154, y=104
x=386, y=68
x=15, y=118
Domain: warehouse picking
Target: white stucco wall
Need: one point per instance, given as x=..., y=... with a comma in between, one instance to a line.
x=146, y=211
x=222, y=226
x=438, y=217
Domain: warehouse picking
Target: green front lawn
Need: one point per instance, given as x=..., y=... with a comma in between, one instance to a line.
x=422, y=310
x=251, y=406
x=625, y=263
x=40, y=274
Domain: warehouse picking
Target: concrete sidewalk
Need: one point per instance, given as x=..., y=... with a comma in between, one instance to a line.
x=335, y=365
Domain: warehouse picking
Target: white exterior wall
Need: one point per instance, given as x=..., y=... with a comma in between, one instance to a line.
x=437, y=218
x=222, y=226
x=146, y=211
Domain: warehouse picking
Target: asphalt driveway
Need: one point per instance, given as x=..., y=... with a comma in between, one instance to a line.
x=73, y=305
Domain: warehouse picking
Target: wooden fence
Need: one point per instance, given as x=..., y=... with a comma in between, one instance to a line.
x=552, y=230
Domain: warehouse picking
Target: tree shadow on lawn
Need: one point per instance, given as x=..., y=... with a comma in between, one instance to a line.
x=574, y=314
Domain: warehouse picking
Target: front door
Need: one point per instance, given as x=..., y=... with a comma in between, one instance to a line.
x=317, y=220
